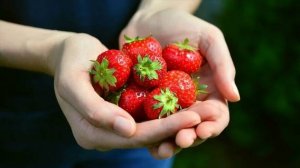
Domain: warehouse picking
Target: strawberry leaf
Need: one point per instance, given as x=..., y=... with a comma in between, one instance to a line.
x=185, y=45
x=200, y=88
x=130, y=40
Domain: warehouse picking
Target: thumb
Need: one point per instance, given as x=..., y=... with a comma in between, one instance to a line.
x=224, y=79
x=216, y=52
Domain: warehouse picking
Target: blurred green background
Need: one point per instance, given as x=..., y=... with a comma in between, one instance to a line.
x=263, y=37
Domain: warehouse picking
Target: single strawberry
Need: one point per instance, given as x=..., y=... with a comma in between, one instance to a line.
x=111, y=70
x=182, y=56
x=182, y=85
x=132, y=99
x=141, y=46
x=160, y=103
x=149, y=70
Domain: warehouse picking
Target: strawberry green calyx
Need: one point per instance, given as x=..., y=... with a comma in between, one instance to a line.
x=114, y=97
x=167, y=101
x=103, y=75
x=130, y=40
x=200, y=88
x=185, y=45
x=146, y=68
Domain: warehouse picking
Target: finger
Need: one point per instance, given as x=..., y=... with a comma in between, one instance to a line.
x=79, y=92
x=166, y=127
x=154, y=152
x=75, y=120
x=152, y=132
x=210, y=129
x=214, y=48
x=186, y=137
x=164, y=150
x=214, y=115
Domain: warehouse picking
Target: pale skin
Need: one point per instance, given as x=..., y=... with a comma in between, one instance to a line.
x=97, y=124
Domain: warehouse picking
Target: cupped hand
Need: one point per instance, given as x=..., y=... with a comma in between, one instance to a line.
x=96, y=123
x=172, y=25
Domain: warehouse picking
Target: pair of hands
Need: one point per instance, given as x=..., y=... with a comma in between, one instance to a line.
x=97, y=124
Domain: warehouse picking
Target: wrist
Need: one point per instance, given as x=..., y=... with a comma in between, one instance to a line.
x=28, y=48
x=52, y=49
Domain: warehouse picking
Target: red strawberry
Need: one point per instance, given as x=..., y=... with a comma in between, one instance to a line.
x=160, y=103
x=149, y=70
x=132, y=99
x=141, y=46
x=111, y=70
x=182, y=56
x=182, y=85
x=97, y=88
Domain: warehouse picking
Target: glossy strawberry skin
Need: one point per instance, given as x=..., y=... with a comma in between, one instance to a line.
x=120, y=63
x=150, y=83
x=182, y=59
x=182, y=85
x=150, y=112
x=132, y=99
x=144, y=46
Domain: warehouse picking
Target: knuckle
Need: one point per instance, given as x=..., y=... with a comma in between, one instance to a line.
x=215, y=31
x=214, y=34
x=93, y=117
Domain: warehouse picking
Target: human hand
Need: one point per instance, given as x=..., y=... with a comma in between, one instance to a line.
x=171, y=25
x=95, y=123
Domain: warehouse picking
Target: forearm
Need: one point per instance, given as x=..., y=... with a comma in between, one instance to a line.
x=28, y=48
x=158, y=5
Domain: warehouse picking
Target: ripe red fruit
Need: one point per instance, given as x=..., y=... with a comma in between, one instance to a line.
x=160, y=103
x=111, y=70
x=182, y=56
x=132, y=99
x=97, y=88
x=148, y=71
x=141, y=46
x=182, y=85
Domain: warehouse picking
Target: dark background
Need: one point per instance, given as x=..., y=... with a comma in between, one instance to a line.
x=264, y=131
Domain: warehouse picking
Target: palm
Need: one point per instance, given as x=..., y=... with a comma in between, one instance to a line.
x=90, y=117
x=170, y=26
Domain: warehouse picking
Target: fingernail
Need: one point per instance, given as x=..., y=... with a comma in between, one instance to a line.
x=123, y=126
x=235, y=90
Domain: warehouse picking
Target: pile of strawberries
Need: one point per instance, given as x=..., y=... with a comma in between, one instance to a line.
x=146, y=80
